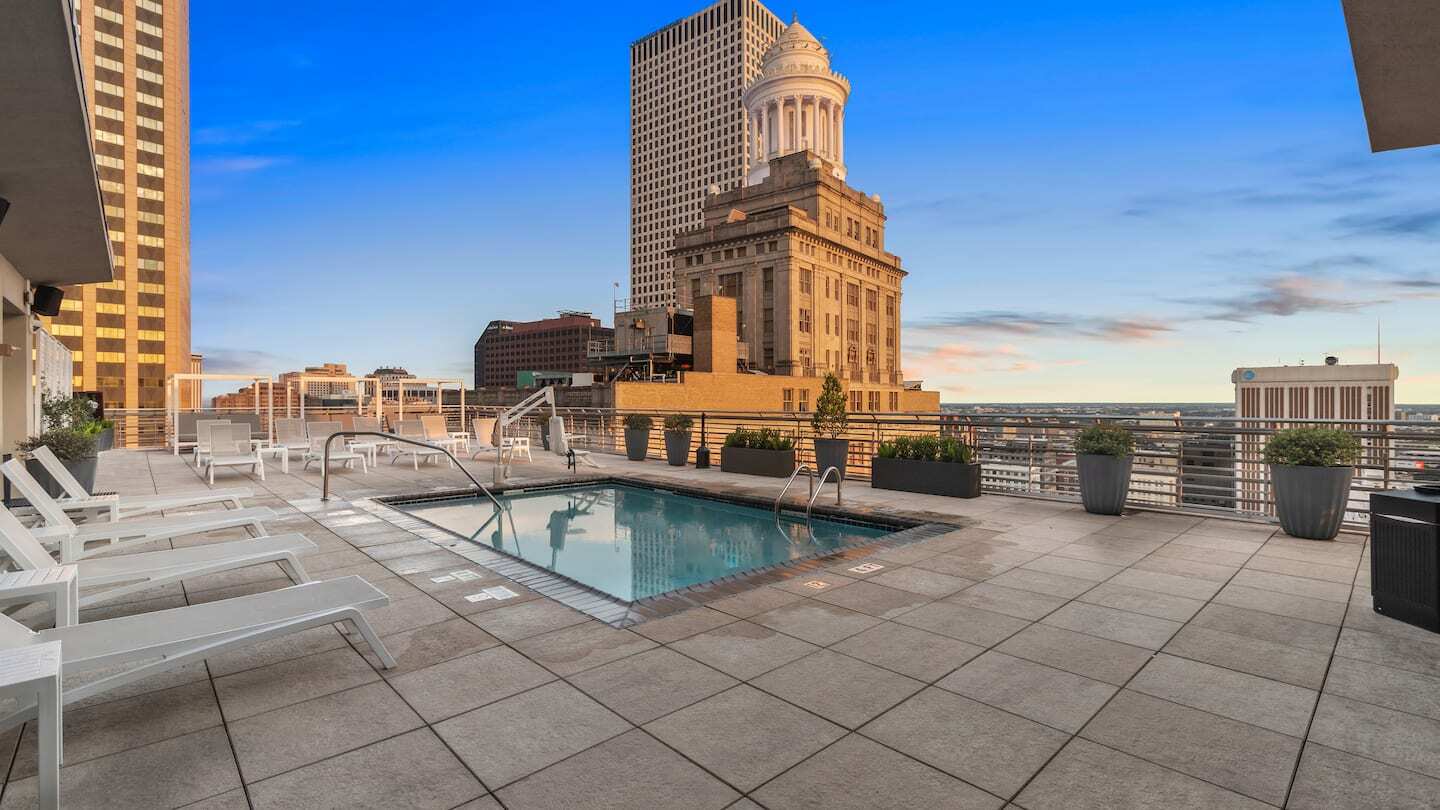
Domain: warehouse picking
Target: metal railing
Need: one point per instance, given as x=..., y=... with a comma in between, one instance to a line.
x=325, y=460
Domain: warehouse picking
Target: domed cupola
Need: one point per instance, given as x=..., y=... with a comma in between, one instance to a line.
x=796, y=104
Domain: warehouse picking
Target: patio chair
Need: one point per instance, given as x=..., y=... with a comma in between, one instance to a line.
x=290, y=434
x=437, y=432
x=320, y=433
x=371, y=445
x=60, y=530
x=483, y=440
x=129, y=573
x=162, y=640
x=202, y=438
x=413, y=429
x=560, y=440
x=231, y=446
x=76, y=498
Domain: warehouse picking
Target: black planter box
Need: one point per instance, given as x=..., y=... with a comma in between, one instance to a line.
x=1405, y=557
x=749, y=461
x=926, y=477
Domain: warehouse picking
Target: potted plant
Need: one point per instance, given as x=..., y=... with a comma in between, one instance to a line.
x=1103, y=457
x=74, y=448
x=1311, y=469
x=758, y=452
x=677, y=439
x=637, y=436
x=933, y=465
x=828, y=422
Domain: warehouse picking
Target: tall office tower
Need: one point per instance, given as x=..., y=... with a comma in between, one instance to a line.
x=688, y=128
x=128, y=335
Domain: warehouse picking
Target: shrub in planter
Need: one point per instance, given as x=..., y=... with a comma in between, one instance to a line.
x=758, y=452
x=1311, y=470
x=933, y=465
x=677, y=439
x=829, y=422
x=74, y=448
x=637, y=436
x=1103, y=456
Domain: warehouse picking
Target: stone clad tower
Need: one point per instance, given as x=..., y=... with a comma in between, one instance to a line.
x=797, y=104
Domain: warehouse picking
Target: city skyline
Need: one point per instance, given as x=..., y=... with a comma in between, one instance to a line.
x=1125, y=209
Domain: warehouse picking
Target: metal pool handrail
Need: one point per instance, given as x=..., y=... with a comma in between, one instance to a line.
x=325, y=463
x=815, y=495
x=805, y=468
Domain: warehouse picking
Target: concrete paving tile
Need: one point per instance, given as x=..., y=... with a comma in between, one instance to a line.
x=461, y=684
x=1041, y=582
x=1229, y=559
x=1091, y=656
x=407, y=614
x=229, y=800
x=1282, y=604
x=994, y=750
x=1267, y=659
x=1404, y=740
x=1137, y=600
x=253, y=691
x=1009, y=601
x=574, y=649
x=908, y=650
x=1086, y=776
x=961, y=565
x=516, y=622
x=632, y=770
x=514, y=737
x=816, y=622
x=1044, y=694
x=1070, y=567
x=919, y=580
x=1231, y=545
x=744, y=650
x=1409, y=653
x=654, y=683
x=682, y=625
x=431, y=644
x=1250, y=699
x=1313, y=636
x=752, y=602
x=839, y=688
x=1244, y=758
x=858, y=774
x=1169, y=584
x=874, y=599
x=964, y=623
x=1116, y=625
x=414, y=770
x=1191, y=569
x=803, y=583
x=1296, y=586
x=1334, y=780
x=294, y=736
x=170, y=773
x=745, y=736
x=1383, y=686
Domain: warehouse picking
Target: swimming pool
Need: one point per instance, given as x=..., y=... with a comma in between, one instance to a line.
x=633, y=542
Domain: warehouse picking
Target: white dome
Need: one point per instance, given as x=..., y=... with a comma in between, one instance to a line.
x=795, y=104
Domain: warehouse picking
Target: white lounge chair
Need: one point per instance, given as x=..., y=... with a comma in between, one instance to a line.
x=76, y=497
x=161, y=640
x=60, y=530
x=202, y=439
x=438, y=433
x=560, y=441
x=372, y=446
x=413, y=429
x=290, y=434
x=129, y=573
x=230, y=446
x=320, y=433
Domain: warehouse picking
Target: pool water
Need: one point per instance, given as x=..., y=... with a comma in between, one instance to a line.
x=632, y=542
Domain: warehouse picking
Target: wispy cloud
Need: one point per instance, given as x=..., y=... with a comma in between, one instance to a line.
x=1408, y=224
x=1417, y=282
x=1281, y=296
x=1308, y=193
x=237, y=164
x=1040, y=324
x=222, y=360
x=239, y=133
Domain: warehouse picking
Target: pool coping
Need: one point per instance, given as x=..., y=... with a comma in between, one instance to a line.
x=909, y=527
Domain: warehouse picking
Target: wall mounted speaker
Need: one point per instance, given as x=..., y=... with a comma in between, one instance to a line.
x=47, y=301
x=4, y=206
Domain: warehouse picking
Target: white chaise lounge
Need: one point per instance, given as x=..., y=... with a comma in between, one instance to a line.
x=124, y=574
x=320, y=433
x=231, y=446
x=76, y=498
x=560, y=441
x=414, y=430
x=60, y=530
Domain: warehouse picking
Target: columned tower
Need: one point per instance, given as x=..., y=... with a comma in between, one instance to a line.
x=796, y=104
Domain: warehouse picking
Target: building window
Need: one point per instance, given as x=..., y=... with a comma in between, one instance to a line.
x=804, y=320
x=890, y=305
x=852, y=295
x=855, y=401
x=805, y=282
x=804, y=402
x=874, y=401
x=787, y=399
x=871, y=297
x=894, y=400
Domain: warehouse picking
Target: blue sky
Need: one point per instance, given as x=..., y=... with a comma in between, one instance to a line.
x=1096, y=202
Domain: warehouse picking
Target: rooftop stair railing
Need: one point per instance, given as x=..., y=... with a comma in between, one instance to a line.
x=815, y=495
x=810, y=476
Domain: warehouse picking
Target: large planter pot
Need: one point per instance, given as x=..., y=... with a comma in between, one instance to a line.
x=749, y=461
x=677, y=448
x=105, y=439
x=1310, y=501
x=83, y=470
x=831, y=453
x=1104, y=482
x=637, y=443
x=927, y=477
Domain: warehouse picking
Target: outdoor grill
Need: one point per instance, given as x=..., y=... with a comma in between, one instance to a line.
x=1405, y=556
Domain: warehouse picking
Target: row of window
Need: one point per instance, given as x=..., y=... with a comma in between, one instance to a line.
x=118, y=357
x=798, y=399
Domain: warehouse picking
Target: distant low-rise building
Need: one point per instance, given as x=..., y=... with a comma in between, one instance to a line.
x=506, y=348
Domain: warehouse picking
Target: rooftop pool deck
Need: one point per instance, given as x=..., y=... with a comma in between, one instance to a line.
x=1034, y=657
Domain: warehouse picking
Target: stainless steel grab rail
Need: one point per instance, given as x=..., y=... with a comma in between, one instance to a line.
x=805, y=468
x=815, y=495
x=325, y=462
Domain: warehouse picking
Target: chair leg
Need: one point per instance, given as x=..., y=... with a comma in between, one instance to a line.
x=290, y=564
x=260, y=467
x=360, y=624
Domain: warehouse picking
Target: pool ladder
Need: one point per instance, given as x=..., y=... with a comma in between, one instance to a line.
x=814, y=490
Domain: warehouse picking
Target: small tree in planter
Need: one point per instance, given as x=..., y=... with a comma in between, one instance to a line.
x=758, y=452
x=637, y=436
x=76, y=450
x=829, y=422
x=677, y=438
x=933, y=465
x=1311, y=469
x=1104, y=454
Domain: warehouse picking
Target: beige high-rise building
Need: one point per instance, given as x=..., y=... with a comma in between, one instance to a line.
x=688, y=128
x=128, y=335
